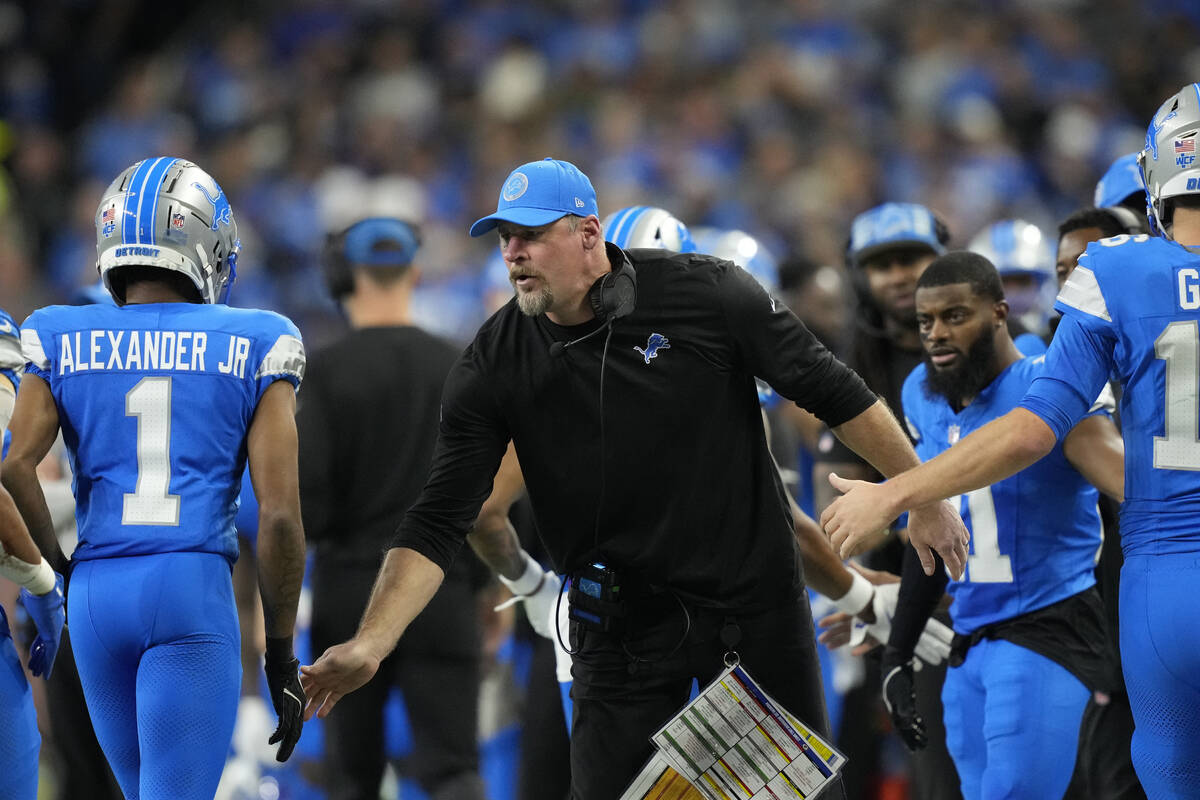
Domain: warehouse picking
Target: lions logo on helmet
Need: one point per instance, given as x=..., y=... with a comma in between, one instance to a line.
x=1168, y=163
x=168, y=213
x=647, y=226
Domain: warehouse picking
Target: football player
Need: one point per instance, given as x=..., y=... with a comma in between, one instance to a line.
x=161, y=399
x=41, y=594
x=1032, y=640
x=1131, y=308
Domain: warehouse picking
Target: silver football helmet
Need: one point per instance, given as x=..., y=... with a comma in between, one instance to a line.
x=168, y=213
x=647, y=226
x=1168, y=163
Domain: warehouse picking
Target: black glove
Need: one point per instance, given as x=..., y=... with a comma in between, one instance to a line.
x=283, y=678
x=901, y=699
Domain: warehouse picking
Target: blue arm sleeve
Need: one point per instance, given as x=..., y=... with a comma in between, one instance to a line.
x=1078, y=364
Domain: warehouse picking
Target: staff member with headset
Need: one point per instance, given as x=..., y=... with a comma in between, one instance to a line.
x=368, y=423
x=625, y=380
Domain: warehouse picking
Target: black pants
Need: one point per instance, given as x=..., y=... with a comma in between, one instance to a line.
x=627, y=686
x=84, y=770
x=934, y=774
x=436, y=666
x=1104, y=766
x=545, y=768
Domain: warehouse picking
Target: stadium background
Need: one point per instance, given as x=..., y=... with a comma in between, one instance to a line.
x=783, y=119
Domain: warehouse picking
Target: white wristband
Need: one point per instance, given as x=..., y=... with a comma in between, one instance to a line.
x=858, y=597
x=530, y=580
x=37, y=578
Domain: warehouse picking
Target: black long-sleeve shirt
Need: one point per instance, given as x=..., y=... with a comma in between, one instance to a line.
x=368, y=422
x=667, y=477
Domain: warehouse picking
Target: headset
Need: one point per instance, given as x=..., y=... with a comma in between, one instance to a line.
x=612, y=296
x=339, y=263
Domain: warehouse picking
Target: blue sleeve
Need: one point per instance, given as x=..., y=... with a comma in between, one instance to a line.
x=1030, y=344
x=1078, y=364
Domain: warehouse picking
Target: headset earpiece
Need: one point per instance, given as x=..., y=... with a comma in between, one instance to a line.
x=614, y=295
x=338, y=278
x=1129, y=221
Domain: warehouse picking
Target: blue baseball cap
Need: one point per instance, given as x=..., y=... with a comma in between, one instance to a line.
x=893, y=225
x=381, y=242
x=1121, y=180
x=540, y=192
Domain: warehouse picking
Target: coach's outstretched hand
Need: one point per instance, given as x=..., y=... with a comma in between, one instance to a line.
x=287, y=695
x=340, y=670
x=49, y=615
x=866, y=508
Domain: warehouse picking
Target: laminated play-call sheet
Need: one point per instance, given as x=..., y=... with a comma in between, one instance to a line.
x=734, y=742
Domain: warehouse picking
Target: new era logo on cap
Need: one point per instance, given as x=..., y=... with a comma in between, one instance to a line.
x=540, y=192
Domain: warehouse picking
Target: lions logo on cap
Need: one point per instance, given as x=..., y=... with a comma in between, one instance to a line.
x=514, y=187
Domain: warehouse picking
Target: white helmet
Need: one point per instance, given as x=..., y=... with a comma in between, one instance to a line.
x=1168, y=162
x=168, y=213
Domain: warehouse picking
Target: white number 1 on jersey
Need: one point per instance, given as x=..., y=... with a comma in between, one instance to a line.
x=151, y=503
x=1180, y=448
x=986, y=564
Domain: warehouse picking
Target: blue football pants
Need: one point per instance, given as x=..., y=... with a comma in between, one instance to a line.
x=19, y=739
x=156, y=641
x=1160, y=653
x=1012, y=722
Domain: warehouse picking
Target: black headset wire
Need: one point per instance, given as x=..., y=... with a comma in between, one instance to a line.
x=687, y=617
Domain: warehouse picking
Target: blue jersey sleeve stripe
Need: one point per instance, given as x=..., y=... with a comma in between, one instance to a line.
x=133, y=194
x=1082, y=292
x=156, y=177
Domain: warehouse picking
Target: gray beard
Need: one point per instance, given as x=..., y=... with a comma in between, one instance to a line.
x=534, y=303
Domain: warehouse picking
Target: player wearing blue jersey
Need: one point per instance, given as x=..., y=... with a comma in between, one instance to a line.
x=1131, y=309
x=1029, y=624
x=161, y=400
x=42, y=596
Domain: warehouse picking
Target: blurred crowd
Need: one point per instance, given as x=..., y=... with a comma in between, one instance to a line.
x=783, y=119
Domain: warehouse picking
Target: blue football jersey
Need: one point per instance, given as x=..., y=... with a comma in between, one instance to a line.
x=1132, y=308
x=1035, y=536
x=155, y=402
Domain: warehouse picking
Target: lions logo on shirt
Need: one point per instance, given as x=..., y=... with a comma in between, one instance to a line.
x=655, y=343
